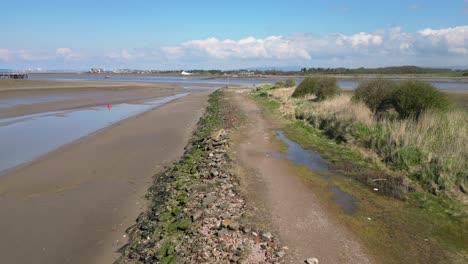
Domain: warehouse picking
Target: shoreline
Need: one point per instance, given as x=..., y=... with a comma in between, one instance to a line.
x=273, y=77
x=42, y=151
x=84, y=209
x=34, y=96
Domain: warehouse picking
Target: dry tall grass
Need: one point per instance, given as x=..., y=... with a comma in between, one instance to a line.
x=442, y=138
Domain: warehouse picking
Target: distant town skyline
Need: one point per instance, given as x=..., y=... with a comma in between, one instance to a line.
x=225, y=35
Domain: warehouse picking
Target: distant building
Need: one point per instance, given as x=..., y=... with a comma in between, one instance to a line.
x=186, y=73
x=96, y=70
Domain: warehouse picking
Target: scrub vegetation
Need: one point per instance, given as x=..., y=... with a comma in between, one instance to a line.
x=408, y=126
x=417, y=164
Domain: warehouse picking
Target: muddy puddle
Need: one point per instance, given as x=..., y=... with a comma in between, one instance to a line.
x=318, y=165
x=25, y=138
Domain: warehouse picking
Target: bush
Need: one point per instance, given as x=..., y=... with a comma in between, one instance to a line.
x=413, y=98
x=278, y=85
x=376, y=94
x=264, y=87
x=290, y=82
x=322, y=88
x=465, y=74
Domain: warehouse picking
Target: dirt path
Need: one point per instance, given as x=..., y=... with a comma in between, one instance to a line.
x=73, y=205
x=302, y=223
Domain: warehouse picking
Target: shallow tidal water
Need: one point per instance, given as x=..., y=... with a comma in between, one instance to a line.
x=40, y=99
x=25, y=138
x=441, y=83
x=318, y=165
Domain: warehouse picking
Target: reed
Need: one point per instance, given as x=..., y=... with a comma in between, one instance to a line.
x=431, y=150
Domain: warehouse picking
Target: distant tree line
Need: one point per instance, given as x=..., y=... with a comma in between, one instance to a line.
x=317, y=71
x=337, y=71
x=385, y=70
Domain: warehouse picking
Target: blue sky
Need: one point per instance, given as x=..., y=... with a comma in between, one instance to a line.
x=232, y=34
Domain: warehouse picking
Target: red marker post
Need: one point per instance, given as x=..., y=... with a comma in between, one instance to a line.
x=109, y=106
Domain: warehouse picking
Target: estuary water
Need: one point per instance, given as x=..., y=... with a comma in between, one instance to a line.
x=441, y=83
x=25, y=138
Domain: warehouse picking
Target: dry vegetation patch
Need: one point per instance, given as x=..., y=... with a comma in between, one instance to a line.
x=431, y=149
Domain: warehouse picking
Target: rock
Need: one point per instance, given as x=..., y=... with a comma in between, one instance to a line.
x=231, y=224
x=235, y=259
x=216, y=136
x=246, y=229
x=133, y=255
x=208, y=201
x=267, y=235
x=311, y=261
x=197, y=215
x=222, y=232
x=280, y=254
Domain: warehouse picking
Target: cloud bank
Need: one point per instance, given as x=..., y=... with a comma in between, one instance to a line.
x=393, y=46
x=451, y=41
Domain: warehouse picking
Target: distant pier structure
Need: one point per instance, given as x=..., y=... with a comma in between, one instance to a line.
x=10, y=75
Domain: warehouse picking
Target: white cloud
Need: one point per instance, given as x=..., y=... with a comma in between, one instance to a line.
x=126, y=55
x=454, y=39
x=173, y=52
x=25, y=55
x=390, y=44
x=393, y=46
x=276, y=47
x=360, y=39
x=5, y=54
x=63, y=51
x=67, y=54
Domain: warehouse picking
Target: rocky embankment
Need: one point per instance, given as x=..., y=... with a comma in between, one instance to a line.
x=196, y=211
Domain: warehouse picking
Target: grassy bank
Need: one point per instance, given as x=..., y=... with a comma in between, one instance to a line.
x=418, y=228
x=430, y=151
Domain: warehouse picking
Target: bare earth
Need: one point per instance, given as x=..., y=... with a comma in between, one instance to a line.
x=302, y=223
x=72, y=205
x=87, y=94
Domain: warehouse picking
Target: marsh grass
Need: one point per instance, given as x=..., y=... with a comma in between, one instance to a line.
x=431, y=150
x=420, y=228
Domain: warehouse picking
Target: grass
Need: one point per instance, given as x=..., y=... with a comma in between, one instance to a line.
x=459, y=99
x=431, y=151
x=423, y=228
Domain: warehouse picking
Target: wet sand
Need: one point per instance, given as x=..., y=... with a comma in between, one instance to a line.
x=72, y=205
x=73, y=94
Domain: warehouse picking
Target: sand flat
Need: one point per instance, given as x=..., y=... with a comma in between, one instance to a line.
x=23, y=97
x=72, y=205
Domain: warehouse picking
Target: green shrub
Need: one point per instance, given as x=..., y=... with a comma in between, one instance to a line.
x=278, y=85
x=413, y=98
x=465, y=74
x=407, y=157
x=321, y=87
x=307, y=86
x=264, y=87
x=290, y=82
x=376, y=94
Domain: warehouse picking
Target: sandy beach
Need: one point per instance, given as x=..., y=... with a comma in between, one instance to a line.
x=74, y=204
x=74, y=94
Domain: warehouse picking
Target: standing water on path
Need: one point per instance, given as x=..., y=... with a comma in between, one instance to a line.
x=315, y=163
x=25, y=138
